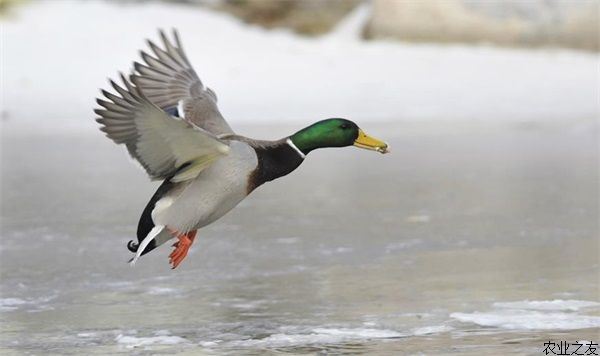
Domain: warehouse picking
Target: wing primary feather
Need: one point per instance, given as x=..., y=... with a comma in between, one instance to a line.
x=179, y=48
x=111, y=106
x=163, y=55
x=111, y=115
x=154, y=62
x=116, y=99
x=125, y=95
x=146, y=70
x=164, y=77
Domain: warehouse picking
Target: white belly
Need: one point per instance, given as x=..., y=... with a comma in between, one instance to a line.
x=216, y=190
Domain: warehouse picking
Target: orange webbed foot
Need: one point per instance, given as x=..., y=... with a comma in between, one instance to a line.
x=181, y=248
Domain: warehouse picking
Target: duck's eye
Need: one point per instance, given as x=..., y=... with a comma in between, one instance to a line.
x=344, y=126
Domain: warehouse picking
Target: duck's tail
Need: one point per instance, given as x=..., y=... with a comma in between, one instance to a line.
x=160, y=239
x=146, y=227
x=152, y=237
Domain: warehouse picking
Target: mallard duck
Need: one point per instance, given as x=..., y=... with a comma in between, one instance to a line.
x=170, y=123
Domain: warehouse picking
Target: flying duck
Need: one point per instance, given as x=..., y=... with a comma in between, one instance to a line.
x=170, y=123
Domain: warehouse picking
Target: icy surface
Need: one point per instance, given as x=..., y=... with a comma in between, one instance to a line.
x=557, y=304
x=11, y=303
x=434, y=329
x=30, y=304
x=304, y=266
x=529, y=320
x=133, y=341
x=318, y=336
x=535, y=315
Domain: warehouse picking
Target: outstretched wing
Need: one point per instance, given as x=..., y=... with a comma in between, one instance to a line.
x=168, y=80
x=164, y=145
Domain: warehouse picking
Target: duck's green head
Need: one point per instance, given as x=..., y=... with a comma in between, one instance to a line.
x=335, y=133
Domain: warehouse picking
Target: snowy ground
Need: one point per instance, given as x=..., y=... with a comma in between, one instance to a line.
x=56, y=54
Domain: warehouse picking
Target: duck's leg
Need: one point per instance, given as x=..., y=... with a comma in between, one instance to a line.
x=181, y=248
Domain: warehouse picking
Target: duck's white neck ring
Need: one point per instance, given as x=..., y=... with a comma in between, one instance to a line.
x=291, y=144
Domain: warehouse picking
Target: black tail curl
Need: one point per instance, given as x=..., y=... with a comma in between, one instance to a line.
x=133, y=246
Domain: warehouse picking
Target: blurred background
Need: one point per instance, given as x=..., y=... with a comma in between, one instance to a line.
x=477, y=234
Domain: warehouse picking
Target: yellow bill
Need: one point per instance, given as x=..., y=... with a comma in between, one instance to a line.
x=370, y=143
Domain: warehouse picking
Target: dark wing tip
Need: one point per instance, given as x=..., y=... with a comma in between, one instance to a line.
x=138, y=67
x=123, y=78
x=147, y=58
x=134, y=79
x=176, y=36
x=114, y=85
x=142, y=52
x=163, y=37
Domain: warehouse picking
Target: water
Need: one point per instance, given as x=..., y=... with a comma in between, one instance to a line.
x=463, y=240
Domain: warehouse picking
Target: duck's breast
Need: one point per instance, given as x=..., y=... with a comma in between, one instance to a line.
x=216, y=190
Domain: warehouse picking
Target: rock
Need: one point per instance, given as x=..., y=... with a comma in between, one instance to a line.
x=510, y=23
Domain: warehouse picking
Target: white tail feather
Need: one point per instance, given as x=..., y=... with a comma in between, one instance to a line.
x=151, y=235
